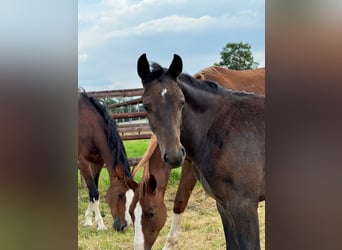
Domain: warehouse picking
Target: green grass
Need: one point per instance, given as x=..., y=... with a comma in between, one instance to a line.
x=201, y=224
x=136, y=148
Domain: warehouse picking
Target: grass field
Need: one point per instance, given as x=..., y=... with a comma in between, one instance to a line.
x=201, y=224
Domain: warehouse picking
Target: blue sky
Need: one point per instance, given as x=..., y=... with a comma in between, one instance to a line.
x=112, y=34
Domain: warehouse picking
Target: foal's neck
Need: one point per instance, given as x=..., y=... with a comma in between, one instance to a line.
x=197, y=118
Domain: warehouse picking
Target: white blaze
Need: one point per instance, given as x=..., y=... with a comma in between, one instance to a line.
x=138, y=233
x=129, y=197
x=163, y=92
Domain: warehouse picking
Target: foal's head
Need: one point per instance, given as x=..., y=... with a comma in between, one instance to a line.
x=163, y=101
x=119, y=197
x=148, y=212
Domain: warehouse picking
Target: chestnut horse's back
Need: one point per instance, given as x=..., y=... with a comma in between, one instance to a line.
x=250, y=80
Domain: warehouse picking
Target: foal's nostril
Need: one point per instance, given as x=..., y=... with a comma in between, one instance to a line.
x=182, y=149
x=117, y=225
x=165, y=158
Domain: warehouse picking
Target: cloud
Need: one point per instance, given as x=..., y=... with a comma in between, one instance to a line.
x=121, y=19
x=116, y=32
x=172, y=23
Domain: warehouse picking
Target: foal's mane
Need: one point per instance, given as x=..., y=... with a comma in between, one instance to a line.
x=205, y=85
x=113, y=138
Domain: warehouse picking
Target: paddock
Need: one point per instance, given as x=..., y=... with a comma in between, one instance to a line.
x=201, y=224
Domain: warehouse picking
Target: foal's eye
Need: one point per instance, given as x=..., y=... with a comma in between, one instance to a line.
x=181, y=103
x=120, y=196
x=147, y=107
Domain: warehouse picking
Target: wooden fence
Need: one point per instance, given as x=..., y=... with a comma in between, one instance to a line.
x=135, y=129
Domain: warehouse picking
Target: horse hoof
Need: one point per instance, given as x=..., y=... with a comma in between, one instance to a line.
x=168, y=247
x=101, y=227
x=87, y=223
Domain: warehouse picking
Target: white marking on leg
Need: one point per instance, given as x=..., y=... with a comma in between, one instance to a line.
x=204, y=196
x=129, y=198
x=98, y=217
x=138, y=233
x=163, y=92
x=89, y=214
x=172, y=237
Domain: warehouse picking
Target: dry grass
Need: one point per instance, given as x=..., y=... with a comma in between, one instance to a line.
x=201, y=225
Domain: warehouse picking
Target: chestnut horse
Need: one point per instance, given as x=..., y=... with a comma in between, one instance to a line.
x=148, y=210
x=247, y=80
x=226, y=147
x=99, y=143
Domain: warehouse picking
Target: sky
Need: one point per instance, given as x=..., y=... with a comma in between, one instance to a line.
x=112, y=34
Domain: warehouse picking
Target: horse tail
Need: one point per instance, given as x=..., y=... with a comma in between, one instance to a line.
x=147, y=155
x=113, y=138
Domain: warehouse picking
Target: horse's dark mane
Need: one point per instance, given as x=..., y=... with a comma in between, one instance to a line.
x=205, y=85
x=113, y=138
x=209, y=86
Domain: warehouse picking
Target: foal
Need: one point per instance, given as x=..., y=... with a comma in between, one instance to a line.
x=246, y=80
x=98, y=144
x=241, y=80
x=226, y=146
x=148, y=209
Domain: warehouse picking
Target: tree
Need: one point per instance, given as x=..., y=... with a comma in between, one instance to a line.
x=237, y=56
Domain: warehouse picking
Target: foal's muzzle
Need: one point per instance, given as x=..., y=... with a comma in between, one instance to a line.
x=118, y=225
x=175, y=159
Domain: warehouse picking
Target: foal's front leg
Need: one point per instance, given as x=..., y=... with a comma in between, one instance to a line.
x=185, y=187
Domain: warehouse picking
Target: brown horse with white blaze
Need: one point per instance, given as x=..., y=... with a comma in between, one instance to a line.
x=99, y=144
x=148, y=209
x=226, y=147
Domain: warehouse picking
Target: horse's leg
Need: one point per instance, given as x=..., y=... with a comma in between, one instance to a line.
x=240, y=224
x=88, y=215
x=98, y=216
x=87, y=173
x=91, y=175
x=83, y=183
x=186, y=185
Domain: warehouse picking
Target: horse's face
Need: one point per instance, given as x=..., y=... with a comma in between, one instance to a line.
x=148, y=213
x=119, y=197
x=163, y=104
x=163, y=101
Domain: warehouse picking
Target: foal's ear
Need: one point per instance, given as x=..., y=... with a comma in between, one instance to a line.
x=131, y=184
x=151, y=184
x=176, y=66
x=143, y=67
